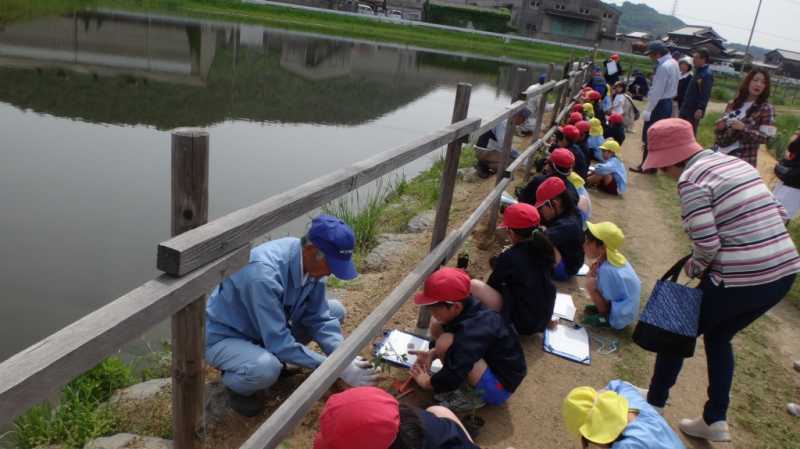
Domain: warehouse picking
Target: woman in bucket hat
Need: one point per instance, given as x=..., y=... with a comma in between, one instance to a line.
x=740, y=249
x=617, y=417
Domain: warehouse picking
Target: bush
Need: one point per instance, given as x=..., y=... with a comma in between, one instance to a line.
x=80, y=415
x=469, y=17
x=722, y=94
x=787, y=124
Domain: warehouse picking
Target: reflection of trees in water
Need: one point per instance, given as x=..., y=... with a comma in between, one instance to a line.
x=318, y=51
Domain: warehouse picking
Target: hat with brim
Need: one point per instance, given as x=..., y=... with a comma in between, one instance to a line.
x=361, y=417
x=336, y=240
x=611, y=145
x=655, y=46
x=613, y=238
x=669, y=142
x=444, y=285
x=599, y=417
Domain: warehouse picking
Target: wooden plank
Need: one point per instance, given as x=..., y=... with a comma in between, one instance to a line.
x=537, y=131
x=295, y=407
x=488, y=125
x=183, y=253
x=190, y=155
x=36, y=373
x=447, y=184
x=508, y=139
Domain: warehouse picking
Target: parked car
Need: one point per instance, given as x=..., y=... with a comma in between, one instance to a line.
x=395, y=14
x=365, y=9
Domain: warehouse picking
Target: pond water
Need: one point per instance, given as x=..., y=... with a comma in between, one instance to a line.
x=86, y=104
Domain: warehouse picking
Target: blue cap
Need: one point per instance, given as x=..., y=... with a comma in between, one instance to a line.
x=542, y=78
x=655, y=46
x=336, y=240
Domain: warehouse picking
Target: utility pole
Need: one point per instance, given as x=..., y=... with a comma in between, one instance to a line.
x=675, y=8
x=750, y=39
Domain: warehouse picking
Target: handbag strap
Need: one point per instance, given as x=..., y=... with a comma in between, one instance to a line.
x=675, y=271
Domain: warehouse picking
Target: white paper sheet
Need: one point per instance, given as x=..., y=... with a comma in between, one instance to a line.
x=396, y=345
x=569, y=342
x=584, y=270
x=565, y=307
x=611, y=67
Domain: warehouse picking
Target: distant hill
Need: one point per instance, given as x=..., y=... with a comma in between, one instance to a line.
x=640, y=17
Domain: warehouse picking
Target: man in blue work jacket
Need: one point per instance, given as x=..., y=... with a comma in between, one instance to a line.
x=698, y=93
x=261, y=318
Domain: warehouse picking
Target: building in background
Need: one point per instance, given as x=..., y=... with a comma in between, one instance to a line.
x=637, y=40
x=787, y=62
x=689, y=38
x=581, y=22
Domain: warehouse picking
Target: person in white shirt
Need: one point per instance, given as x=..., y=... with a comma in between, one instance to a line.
x=662, y=91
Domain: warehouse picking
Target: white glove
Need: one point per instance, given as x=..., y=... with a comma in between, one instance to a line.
x=646, y=116
x=359, y=373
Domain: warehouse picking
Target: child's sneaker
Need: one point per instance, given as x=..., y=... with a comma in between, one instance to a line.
x=596, y=320
x=794, y=409
x=717, y=432
x=460, y=401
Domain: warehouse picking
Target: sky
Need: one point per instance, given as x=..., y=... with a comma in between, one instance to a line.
x=777, y=24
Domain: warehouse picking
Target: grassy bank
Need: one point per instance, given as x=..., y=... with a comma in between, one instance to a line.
x=726, y=87
x=312, y=21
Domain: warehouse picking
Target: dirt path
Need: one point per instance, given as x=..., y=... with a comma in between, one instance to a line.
x=532, y=419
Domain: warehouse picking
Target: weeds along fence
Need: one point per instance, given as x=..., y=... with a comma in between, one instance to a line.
x=200, y=255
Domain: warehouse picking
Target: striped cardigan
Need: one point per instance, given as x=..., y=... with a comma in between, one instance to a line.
x=735, y=224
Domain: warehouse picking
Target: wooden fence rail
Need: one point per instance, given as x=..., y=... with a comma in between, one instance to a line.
x=200, y=258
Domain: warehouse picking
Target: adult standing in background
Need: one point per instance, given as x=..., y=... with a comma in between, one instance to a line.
x=698, y=92
x=685, y=67
x=741, y=252
x=748, y=120
x=662, y=92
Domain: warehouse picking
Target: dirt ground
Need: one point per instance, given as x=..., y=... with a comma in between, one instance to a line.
x=532, y=417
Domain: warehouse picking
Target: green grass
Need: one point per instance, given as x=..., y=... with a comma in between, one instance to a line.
x=705, y=132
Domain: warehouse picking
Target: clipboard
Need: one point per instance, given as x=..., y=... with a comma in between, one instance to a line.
x=395, y=346
x=570, y=342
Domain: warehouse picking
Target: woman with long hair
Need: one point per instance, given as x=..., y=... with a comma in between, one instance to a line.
x=748, y=120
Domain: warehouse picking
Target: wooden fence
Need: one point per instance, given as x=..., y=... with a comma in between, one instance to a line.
x=200, y=255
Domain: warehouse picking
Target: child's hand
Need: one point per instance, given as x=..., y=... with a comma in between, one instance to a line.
x=424, y=359
x=421, y=377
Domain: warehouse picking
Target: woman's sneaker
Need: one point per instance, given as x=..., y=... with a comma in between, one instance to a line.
x=717, y=432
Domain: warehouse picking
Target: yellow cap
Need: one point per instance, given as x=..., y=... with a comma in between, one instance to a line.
x=598, y=417
x=612, y=146
x=613, y=238
x=576, y=180
x=596, y=127
x=588, y=107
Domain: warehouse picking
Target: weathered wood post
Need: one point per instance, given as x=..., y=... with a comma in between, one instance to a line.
x=189, y=210
x=447, y=185
x=537, y=130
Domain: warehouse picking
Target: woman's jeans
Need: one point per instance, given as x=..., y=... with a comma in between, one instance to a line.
x=724, y=312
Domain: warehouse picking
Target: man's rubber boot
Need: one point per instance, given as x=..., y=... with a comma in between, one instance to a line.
x=247, y=406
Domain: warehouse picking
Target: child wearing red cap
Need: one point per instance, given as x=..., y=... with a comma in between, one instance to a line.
x=567, y=137
x=615, y=129
x=477, y=348
x=520, y=286
x=371, y=418
x=564, y=227
x=560, y=164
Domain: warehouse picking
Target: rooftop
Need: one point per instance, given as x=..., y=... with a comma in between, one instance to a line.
x=788, y=54
x=696, y=30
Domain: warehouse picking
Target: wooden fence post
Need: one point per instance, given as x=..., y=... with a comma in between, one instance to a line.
x=447, y=185
x=537, y=130
x=189, y=210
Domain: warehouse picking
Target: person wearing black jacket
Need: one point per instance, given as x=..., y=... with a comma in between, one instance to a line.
x=787, y=190
x=476, y=346
x=520, y=286
x=685, y=66
x=698, y=93
x=564, y=227
x=559, y=163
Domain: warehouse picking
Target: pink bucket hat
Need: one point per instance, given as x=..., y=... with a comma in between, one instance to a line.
x=670, y=141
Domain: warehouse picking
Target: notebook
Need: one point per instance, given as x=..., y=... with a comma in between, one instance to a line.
x=564, y=308
x=395, y=346
x=570, y=342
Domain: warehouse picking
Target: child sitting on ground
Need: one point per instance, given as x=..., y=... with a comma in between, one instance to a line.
x=564, y=226
x=584, y=127
x=567, y=137
x=371, y=418
x=477, y=348
x=588, y=111
x=520, y=287
x=617, y=417
x=612, y=283
x=595, y=138
x=610, y=176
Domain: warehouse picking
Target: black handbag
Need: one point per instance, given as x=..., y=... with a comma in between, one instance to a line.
x=670, y=320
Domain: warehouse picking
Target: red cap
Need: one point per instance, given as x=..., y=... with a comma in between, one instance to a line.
x=549, y=189
x=362, y=417
x=575, y=117
x=578, y=108
x=562, y=158
x=570, y=132
x=444, y=285
x=583, y=126
x=615, y=118
x=615, y=57
x=520, y=216
x=594, y=95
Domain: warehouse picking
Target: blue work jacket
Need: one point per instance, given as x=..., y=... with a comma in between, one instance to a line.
x=265, y=299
